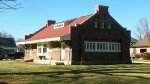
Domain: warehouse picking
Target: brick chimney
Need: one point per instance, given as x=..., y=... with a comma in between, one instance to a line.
x=101, y=9
x=49, y=22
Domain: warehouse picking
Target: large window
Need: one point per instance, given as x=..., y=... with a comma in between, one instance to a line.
x=102, y=47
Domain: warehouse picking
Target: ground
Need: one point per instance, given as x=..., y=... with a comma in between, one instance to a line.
x=31, y=73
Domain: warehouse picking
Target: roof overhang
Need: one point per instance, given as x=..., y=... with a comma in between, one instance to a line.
x=66, y=37
x=8, y=48
x=39, y=41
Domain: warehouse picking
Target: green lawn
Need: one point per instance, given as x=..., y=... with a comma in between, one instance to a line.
x=31, y=73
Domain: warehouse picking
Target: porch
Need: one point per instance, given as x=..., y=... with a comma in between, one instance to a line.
x=53, y=52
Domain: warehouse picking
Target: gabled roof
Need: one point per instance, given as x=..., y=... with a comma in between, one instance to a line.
x=7, y=43
x=145, y=42
x=49, y=31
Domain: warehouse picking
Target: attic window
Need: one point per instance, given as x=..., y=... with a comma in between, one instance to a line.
x=109, y=25
x=59, y=25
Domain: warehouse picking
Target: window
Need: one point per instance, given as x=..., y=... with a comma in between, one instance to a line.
x=109, y=25
x=96, y=25
x=143, y=50
x=39, y=48
x=42, y=49
x=102, y=25
x=102, y=47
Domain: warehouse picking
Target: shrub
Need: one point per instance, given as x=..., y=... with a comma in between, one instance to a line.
x=145, y=55
x=137, y=56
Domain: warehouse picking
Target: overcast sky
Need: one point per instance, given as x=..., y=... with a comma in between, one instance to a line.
x=34, y=13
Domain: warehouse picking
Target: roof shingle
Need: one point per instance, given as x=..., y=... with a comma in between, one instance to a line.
x=50, y=32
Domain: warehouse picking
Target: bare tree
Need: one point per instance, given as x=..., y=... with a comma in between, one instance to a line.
x=9, y=4
x=143, y=28
x=19, y=40
x=4, y=34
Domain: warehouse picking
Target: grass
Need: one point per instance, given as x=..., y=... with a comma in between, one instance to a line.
x=31, y=73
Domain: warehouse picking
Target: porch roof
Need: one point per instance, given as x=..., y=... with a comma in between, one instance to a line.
x=66, y=37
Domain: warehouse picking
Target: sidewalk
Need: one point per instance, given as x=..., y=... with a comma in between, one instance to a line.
x=140, y=62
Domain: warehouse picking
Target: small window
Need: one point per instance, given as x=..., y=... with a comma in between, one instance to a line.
x=105, y=25
x=102, y=25
x=109, y=25
x=96, y=24
x=143, y=50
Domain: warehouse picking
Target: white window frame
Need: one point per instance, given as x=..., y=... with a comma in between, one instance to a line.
x=42, y=53
x=102, y=46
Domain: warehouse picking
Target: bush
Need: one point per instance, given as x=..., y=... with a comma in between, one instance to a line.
x=137, y=56
x=145, y=55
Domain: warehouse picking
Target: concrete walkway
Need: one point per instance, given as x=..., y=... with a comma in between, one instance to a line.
x=140, y=62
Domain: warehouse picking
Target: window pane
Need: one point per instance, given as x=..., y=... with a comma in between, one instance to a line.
x=44, y=48
x=39, y=50
x=90, y=45
x=87, y=47
x=110, y=46
x=101, y=46
x=97, y=46
x=104, y=46
x=109, y=25
x=93, y=46
x=113, y=46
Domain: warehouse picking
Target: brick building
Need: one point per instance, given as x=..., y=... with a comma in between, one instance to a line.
x=92, y=39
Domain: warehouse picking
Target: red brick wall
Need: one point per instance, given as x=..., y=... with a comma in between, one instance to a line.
x=88, y=32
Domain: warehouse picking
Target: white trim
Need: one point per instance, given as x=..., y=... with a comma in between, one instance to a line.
x=38, y=41
x=59, y=25
x=88, y=18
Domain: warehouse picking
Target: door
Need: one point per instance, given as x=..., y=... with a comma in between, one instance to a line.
x=62, y=51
